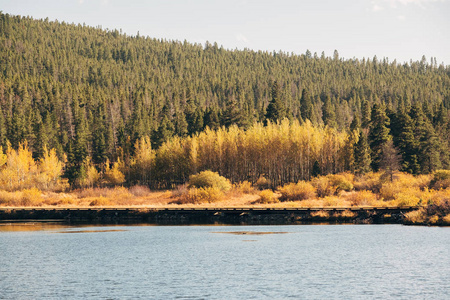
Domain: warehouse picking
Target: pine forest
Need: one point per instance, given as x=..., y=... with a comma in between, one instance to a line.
x=83, y=106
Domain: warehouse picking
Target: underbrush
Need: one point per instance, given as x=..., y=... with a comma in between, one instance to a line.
x=267, y=197
x=200, y=195
x=301, y=190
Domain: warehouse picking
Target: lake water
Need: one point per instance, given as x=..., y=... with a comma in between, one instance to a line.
x=209, y=262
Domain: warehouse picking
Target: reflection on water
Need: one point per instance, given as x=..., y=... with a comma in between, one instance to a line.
x=167, y=262
x=30, y=226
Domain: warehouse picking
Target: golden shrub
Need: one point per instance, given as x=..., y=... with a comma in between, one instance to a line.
x=369, y=181
x=341, y=182
x=433, y=219
x=245, y=187
x=301, y=190
x=201, y=195
x=416, y=217
x=332, y=184
x=262, y=183
x=406, y=199
x=9, y=198
x=323, y=186
x=361, y=198
x=31, y=197
x=209, y=179
x=267, y=196
x=335, y=201
x=446, y=219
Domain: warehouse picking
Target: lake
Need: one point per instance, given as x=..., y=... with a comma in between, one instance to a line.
x=224, y=262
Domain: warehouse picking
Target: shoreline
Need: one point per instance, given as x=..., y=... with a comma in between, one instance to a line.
x=208, y=215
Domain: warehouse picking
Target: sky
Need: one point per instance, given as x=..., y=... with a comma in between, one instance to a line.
x=395, y=29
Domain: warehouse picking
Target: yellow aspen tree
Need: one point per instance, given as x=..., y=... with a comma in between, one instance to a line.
x=20, y=168
x=50, y=169
x=143, y=159
x=113, y=175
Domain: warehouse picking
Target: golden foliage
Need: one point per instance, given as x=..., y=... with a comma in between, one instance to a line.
x=209, y=179
x=297, y=191
x=369, y=181
x=362, y=198
x=446, y=219
x=245, y=187
x=332, y=184
x=416, y=217
x=201, y=195
x=113, y=176
x=266, y=197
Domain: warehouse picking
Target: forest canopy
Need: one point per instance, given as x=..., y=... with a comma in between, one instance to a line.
x=98, y=97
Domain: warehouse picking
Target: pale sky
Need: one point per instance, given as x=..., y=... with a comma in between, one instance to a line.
x=397, y=29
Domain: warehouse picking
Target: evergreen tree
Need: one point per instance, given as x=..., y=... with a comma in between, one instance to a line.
x=407, y=144
x=232, y=114
x=212, y=119
x=365, y=114
x=276, y=111
x=306, y=107
x=164, y=132
x=428, y=143
x=378, y=134
x=390, y=161
x=362, y=155
x=328, y=113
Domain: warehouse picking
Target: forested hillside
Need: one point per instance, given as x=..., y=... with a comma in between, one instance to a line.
x=96, y=95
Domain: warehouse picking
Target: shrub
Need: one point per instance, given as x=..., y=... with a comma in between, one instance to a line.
x=323, y=186
x=440, y=180
x=416, y=217
x=433, y=219
x=9, y=198
x=262, y=183
x=406, y=199
x=267, y=196
x=361, y=198
x=446, y=219
x=201, y=195
x=369, y=181
x=209, y=179
x=245, y=187
x=341, y=182
x=139, y=190
x=31, y=197
x=335, y=201
x=332, y=184
x=297, y=191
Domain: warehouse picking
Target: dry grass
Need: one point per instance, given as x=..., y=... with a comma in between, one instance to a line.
x=405, y=190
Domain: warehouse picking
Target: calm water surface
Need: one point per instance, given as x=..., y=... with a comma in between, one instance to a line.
x=204, y=262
